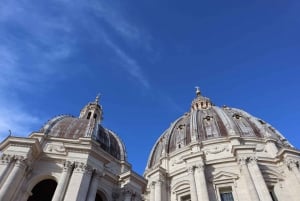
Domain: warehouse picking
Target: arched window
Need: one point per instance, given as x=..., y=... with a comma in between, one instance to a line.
x=44, y=190
x=89, y=115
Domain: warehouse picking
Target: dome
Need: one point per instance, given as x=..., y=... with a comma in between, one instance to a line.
x=206, y=123
x=86, y=125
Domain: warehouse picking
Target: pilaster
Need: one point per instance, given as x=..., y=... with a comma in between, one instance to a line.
x=193, y=188
x=96, y=178
x=13, y=179
x=63, y=181
x=79, y=183
x=292, y=165
x=243, y=160
x=5, y=163
x=200, y=179
x=258, y=179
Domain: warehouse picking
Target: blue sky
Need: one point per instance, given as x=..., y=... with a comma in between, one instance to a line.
x=145, y=58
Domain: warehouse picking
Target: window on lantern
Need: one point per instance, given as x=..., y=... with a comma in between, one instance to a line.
x=89, y=115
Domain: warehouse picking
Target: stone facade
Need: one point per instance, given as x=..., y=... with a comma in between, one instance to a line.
x=222, y=154
x=209, y=154
x=84, y=161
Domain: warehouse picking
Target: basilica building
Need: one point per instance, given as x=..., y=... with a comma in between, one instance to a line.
x=210, y=153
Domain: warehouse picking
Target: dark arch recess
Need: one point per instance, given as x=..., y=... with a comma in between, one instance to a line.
x=100, y=197
x=44, y=190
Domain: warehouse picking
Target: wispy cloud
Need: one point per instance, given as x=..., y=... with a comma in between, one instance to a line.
x=36, y=38
x=129, y=64
x=116, y=18
x=17, y=120
x=129, y=32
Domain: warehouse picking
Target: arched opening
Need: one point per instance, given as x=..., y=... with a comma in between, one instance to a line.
x=44, y=190
x=100, y=197
x=89, y=115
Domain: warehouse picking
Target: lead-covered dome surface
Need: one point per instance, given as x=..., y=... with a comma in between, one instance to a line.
x=87, y=125
x=206, y=122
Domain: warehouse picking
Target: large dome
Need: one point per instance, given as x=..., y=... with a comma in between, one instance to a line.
x=86, y=125
x=205, y=123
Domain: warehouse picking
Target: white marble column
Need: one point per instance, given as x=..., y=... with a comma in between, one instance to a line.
x=4, y=166
x=158, y=193
x=63, y=181
x=79, y=183
x=258, y=180
x=191, y=171
x=152, y=191
x=292, y=165
x=247, y=177
x=201, y=185
x=13, y=180
x=94, y=185
x=128, y=194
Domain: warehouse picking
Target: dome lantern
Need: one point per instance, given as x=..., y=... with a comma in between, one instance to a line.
x=200, y=102
x=92, y=111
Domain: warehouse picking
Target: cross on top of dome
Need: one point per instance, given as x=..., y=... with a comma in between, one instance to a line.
x=200, y=102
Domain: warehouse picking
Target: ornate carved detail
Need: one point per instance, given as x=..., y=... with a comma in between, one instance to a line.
x=252, y=160
x=152, y=185
x=128, y=193
x=216, y=150
x=82, y=168
x=260, y=148
x=20, y=161
x=55, y=148
x=243, y=160
x=68, y=165
x=291, y=163
x=200, y=166
x=6, y=158
x=190, y=169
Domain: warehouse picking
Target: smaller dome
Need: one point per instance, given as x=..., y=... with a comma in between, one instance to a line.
x=87, y=125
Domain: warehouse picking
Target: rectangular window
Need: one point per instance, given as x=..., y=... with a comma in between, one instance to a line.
x=186, y=198
x=226, y=194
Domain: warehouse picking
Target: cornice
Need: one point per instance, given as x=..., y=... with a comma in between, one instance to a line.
x=34, y=144
x=283, y=151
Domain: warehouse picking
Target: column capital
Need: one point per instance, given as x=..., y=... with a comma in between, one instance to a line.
x=152, y=184
x=6, y=159
x=291, y=163
x=247, y=159
x=190, y=169
x=252, y=160
x=81, y=167
x=159, y=182
x=127, y=192
x=68, y=165
x=20, y=161
x=200, y=165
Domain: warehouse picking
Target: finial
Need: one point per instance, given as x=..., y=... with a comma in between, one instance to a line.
x=198, y=92
x=97, y=98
